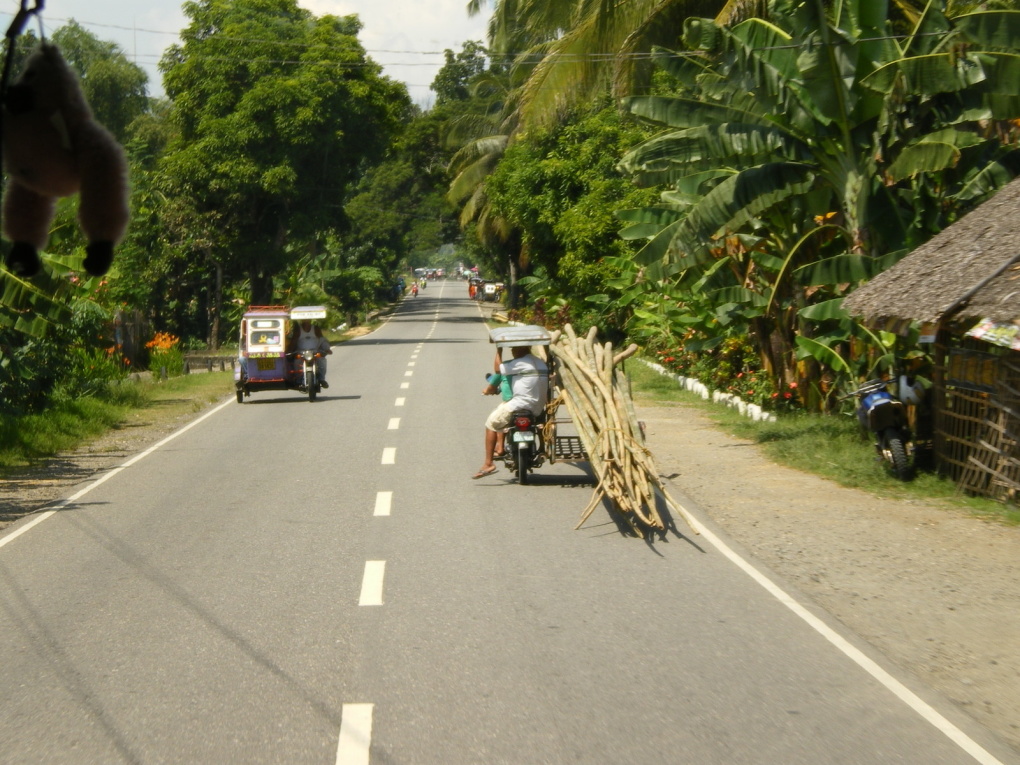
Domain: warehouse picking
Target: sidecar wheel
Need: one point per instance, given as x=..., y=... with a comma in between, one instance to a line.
x=240, y=396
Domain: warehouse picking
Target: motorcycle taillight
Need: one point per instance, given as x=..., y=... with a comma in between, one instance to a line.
x=522, y=423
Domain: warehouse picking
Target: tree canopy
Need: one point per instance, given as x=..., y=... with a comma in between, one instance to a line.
x=277, y=114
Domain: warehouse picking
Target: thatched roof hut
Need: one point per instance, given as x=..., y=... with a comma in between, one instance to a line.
x=967, y=275
x=971, y=270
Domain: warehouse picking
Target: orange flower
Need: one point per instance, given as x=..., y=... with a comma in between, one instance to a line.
x=163, y=341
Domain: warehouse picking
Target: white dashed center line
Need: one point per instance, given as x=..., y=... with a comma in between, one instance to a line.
x=372, y=583
x=383, y=502
x=355, y=734
x=389, y=455
x=394, y=423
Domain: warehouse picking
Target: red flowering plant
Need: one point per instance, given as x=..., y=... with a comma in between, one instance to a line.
x=730, y=365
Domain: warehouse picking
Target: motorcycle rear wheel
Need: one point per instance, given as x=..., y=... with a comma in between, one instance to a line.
x=897, y=454
x=523, y=460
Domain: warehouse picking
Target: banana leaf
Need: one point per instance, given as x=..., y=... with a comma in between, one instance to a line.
x=930, y=75
x=924, y=157
x=824, y=311
x=36, y=307
x=737, y=201
x=991, y=29
x=655, y=250
x=847, y=268
x=740, y=296
x=809, y=348
x=661, y=216
x=990, y=178
x=734, y=144
x=696, y=184
x=684, y=112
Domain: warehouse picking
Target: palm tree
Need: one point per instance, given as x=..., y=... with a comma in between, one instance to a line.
x=483, y=136
x=568, y=51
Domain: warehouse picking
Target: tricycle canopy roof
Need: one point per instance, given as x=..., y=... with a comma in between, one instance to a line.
x=267, y=311
x=302, y=312
x=510, y=337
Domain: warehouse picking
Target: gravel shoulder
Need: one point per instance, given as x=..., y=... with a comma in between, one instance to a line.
x=935, y=590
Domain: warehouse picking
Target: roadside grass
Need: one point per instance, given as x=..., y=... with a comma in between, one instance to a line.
x=73, y=422
x=69, y=424
x=830, y=446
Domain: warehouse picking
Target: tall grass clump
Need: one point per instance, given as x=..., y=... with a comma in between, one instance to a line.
x=63, y=426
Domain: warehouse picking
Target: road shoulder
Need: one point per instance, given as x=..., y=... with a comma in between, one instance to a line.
x=930, y=587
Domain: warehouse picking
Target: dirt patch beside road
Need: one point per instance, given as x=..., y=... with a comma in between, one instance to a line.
x=934, y=589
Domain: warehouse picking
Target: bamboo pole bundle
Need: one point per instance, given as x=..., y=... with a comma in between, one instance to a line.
x=597, y=395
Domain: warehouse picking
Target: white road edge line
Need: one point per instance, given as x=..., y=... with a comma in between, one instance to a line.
x=383, y=502
x=110, y=474
x=903, y=693
x=372, y=583
x=355, y=734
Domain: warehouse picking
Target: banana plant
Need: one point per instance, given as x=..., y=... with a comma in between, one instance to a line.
x=821, y=136
x=37, y=307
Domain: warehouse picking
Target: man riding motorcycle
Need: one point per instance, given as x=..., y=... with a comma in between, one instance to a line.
x=307, y=336
x=529, y=385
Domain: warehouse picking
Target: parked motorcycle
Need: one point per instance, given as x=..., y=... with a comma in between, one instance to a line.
x=524, y=450
x=885, y=416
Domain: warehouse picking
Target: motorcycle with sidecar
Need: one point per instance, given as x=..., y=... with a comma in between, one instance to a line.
x=531, y=440
x=264, y=360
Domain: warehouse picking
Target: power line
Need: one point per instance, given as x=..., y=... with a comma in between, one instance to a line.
x=523, y=57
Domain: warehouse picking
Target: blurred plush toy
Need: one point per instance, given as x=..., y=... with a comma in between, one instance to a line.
x=53, y=148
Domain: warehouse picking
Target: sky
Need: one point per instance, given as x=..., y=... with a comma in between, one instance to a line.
x=407, y=37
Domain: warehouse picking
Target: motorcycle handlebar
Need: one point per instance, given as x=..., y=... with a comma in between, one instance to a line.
x=869, y=387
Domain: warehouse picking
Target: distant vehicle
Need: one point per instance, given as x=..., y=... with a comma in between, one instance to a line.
x=492, y=291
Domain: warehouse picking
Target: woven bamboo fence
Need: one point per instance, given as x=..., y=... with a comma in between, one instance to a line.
x=977, y=431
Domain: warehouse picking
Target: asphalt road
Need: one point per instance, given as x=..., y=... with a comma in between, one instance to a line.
x=295, y=582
